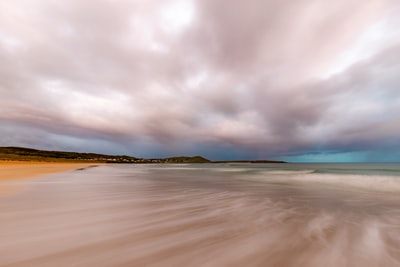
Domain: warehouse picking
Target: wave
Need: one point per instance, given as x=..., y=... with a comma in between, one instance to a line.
x=368, y=182
x=382, y=183
x=289, y=172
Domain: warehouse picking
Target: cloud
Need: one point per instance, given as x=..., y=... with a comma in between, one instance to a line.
x=268, y=78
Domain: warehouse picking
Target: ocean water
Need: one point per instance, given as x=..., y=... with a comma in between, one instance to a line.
x=206, y=215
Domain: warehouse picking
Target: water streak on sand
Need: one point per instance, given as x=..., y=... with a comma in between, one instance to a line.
x=13, y=172
x=148, y=215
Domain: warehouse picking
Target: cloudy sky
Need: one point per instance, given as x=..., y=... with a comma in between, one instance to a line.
x=306, y=80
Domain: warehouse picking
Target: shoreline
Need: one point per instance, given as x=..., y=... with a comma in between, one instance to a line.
x=12, y=171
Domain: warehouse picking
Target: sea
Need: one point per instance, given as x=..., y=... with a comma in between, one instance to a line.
x=214, y=215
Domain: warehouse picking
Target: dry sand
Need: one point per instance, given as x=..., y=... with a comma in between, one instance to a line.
x=18, y=170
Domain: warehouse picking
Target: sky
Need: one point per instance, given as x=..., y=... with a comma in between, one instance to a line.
x=306, y=80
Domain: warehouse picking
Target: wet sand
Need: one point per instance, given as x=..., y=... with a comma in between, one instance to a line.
x=124, y=216
x=12, y=171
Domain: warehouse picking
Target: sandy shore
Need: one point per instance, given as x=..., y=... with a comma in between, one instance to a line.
x=186, y=215
x=18, y=170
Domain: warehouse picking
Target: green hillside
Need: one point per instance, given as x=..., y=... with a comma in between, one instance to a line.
x=29, y=154
x=182, y=159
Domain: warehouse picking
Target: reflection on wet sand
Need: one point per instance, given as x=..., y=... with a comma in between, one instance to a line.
x=114, y=216
x=13, y=171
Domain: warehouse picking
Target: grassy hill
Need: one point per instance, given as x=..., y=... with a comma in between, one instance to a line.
x=182, y=159
x=29, y=154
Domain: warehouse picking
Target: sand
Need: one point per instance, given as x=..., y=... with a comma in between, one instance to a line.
x=129, y=215
x=172, y=216
x=11, y=171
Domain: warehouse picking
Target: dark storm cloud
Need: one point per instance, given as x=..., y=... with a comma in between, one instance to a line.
x=186, y=75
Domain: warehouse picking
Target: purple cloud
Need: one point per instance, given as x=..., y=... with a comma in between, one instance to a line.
x=269, y=78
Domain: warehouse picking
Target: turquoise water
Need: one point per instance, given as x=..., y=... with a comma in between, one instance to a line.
x=206, y=215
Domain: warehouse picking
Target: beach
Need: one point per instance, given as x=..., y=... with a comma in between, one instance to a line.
x=13, y=171
x=205, y=215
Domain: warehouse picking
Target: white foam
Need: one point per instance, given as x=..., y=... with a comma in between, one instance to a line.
x=371, y=182
x=289, y=172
